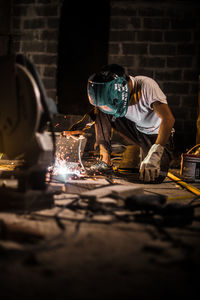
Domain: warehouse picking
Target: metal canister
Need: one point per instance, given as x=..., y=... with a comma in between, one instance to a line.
x=190, y=165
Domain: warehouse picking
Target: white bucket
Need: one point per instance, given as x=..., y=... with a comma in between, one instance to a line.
x=190, y=166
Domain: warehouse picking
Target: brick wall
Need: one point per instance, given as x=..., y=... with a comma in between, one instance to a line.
x=5, y=26
x=35, y=33
x=153, y=38
x=161, y=39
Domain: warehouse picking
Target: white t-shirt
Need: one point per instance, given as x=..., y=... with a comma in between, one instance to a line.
x=142, y=113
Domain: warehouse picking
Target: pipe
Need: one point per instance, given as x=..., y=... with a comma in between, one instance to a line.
x=184, y=184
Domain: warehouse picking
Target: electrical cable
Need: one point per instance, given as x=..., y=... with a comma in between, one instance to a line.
x=79, y=152
x=45, y=245
x=92, y=207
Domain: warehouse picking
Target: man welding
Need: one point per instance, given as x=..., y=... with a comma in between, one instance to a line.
x=137, y=109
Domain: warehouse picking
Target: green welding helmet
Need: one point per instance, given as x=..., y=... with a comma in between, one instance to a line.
x=109, y=92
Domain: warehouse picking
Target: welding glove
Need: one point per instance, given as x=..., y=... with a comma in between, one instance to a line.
x=150, y=166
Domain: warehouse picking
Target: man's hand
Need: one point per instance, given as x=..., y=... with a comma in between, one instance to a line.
x=150, y=166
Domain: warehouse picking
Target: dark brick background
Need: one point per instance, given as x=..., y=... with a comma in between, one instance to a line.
x=160, y=39
x=35, y=28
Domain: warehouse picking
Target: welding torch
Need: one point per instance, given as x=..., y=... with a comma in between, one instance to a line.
x=79, y=128
x=77, y=132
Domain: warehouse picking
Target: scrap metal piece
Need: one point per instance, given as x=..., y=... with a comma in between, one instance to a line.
x=116, y=191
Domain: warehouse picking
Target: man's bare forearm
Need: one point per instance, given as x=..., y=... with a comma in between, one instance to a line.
x=167, y=122
x=164, y=132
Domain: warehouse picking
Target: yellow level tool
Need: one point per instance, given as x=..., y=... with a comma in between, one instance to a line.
x=189, y=187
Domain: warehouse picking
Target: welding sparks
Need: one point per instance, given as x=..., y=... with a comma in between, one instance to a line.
x=64, y=171
x=67, y=168
x=68, y=164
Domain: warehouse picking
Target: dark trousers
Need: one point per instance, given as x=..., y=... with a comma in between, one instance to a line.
x=127, y=129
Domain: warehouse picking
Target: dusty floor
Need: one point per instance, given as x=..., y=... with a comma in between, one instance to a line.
x=82, y=248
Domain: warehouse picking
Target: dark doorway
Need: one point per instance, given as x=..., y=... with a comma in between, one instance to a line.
x=83, y=49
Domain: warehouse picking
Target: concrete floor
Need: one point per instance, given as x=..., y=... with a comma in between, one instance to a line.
x=84, y=249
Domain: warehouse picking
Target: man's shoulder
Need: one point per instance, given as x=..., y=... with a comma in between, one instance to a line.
x=145, y=79
x=147, y=83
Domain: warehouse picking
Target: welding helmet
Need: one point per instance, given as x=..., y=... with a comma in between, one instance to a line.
x=109, y=90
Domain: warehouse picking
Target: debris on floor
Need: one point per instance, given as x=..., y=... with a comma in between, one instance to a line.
x=103, y=237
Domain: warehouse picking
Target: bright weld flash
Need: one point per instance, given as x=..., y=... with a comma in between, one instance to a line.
x=64, y=168
x=67, y=171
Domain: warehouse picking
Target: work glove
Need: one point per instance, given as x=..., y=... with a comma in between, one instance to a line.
x=150, y=166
